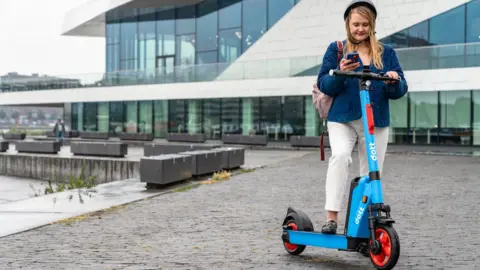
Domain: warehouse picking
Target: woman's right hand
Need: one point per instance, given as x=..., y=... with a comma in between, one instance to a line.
x=347, y=65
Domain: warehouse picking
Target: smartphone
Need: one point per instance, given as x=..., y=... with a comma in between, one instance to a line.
x=353, y=56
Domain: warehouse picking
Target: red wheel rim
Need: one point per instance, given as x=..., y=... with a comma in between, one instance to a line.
x=288, y=246
x=382, y=258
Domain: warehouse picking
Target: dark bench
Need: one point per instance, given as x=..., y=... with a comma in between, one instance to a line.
x=135, y=136
x=205, y=161
x=14, y=136
x=165, y=169
x=68, y=134
x=232, y=157
x=186, y=137
x=94, y=135
x=4, y=146
x=308, y=141
x=154, y=149
x=44, y=147
x=245, y=139
x=104, y=149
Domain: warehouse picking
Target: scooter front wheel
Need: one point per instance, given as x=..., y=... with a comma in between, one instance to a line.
x=389, y=248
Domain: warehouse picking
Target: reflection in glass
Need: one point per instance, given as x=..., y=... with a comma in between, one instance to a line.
x=254, y=21
x=102, y=117
x=185, y=23
x=230, y=14
x=177, y=116
x=212, y=118
x=277, y=9
x=90, y=116
x=455, y=117
x=231, y=116
x=160, y=118
x=270, y=117
x=476, y=117
x=423, y=117
x=293, y=117
x=116, y=116
x=207, y=25
x=145, y=117
x=131, y=117
x=399, y=120
x=230, y=45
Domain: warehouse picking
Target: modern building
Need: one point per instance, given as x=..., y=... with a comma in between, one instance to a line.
x=248, y=66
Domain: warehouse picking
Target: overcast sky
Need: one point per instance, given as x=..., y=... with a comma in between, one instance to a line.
x=31, y=41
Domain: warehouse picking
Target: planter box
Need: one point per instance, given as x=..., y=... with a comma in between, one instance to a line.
x=104, y=149
x=94, y=135
x=155, y=149
x=245, y=139
x=185, y=137
x=44, y=147
x=135, y=136
x=4, y=146
x=14, y=136
x=232, y=157
x=308, y=141
x=165, y=169
x=205, y=161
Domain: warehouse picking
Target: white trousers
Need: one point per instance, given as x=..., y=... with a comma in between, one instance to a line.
x=342, y=137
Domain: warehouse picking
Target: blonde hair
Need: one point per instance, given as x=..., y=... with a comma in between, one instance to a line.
x=376, y=48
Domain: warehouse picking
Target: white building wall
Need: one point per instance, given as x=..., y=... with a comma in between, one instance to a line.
x=423, y=80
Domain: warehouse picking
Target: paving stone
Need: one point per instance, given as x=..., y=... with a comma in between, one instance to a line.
x=237, y=223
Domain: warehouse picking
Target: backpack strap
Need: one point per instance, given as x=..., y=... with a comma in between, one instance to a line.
x=322, y=145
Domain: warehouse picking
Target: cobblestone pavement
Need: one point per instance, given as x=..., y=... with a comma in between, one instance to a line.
x=237, y=223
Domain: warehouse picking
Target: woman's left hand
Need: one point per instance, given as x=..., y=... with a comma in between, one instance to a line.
x=393, y=75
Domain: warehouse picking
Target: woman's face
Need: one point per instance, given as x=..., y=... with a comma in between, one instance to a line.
x=359, y=27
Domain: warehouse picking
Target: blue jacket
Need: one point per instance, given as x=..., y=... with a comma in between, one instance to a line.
x=346, y=104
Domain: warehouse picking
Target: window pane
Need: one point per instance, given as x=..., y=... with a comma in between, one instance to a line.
x=399, y=120
x=448, y=28
x=128, y=45
x=145, y=118
x=294, y=117
x=231, y=116
x=230, y=14
x=207, y=69
x=161, y=118
x=254, y=21
x=455, y=117
x=230, y=44
x=90, y=116
x=424, y=117
x=476, y=117
x=166, y=32
x=271, y=114
x=185, y=50
x=277, y=9
x=418, y=35
x=177, y=116
x=212, y=118
x=473, y=21
x=131, y=117
x=207, y=25
x=185, y=23
x=102, y=117
x=116, y=116
x=113, y=33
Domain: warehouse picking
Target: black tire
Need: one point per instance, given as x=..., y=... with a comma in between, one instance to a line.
x=390, y=243
x=291, y=248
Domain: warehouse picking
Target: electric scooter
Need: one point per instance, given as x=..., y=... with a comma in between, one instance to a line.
x=368, y=226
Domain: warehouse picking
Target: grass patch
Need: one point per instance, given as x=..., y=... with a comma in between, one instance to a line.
x=97, y=214
x=183, y=189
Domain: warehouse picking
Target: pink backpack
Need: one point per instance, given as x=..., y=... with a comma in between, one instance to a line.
x=321, y=101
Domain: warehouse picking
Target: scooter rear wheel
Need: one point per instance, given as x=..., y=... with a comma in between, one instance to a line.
x=389, y=253
x=292, y=248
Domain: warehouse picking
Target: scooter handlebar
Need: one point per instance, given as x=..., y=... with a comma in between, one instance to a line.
x=361, y=75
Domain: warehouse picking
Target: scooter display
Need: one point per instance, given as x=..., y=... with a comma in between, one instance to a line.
x=368, y=225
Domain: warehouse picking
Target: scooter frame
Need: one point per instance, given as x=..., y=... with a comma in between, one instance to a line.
x=364, y=220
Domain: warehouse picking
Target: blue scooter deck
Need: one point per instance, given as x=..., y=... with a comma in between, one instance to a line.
x=318, y=239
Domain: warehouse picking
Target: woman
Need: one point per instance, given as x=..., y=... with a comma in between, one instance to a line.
x=344, y=118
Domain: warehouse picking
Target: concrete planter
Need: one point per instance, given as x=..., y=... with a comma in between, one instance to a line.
x=104, y=149
x=245, y=139
x=165, y=169
x=308, y=141
x=185, y=137
x=14, y=136
x=232, y=157
x=94, y=135
x=154, y=149
x=205, y=161
x=4, y=146
x=135, y=136
x=41, y=147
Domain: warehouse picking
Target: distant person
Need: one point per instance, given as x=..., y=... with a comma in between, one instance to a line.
x=59, y=130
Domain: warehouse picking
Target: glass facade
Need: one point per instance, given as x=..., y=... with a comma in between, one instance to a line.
x=167, y=41
x=212, y=31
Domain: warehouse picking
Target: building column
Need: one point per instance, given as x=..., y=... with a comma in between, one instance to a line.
x=80, y=116
x=247, y=115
